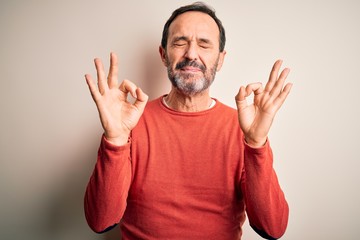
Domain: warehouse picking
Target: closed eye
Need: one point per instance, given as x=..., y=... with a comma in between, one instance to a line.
x=205, y=43
x=205, y=46
x=179, y=41
x=179, y=44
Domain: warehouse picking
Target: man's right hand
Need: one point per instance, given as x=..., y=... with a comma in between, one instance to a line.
x=118, y=116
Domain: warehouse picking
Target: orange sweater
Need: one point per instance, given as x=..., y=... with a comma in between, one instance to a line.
x=185, y=176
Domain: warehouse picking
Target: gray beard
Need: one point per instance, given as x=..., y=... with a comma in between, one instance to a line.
x=188, y=86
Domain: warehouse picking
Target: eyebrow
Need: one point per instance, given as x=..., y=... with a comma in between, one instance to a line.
x=180, y=38
x=205, y=40
x=184, y=38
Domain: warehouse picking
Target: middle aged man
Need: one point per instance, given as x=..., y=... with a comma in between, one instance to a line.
x=186, y=166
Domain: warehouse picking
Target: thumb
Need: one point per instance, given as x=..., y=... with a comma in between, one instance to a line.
x=240, y=98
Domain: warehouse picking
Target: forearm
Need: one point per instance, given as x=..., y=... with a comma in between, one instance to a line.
x=266, y=205
x=107, y=190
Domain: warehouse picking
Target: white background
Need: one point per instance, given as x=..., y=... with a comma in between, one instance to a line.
x=50, y=129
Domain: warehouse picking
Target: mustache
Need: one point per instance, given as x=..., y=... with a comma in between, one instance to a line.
x=186, y=63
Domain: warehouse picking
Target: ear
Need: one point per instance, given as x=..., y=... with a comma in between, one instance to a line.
x=221, y=60
x=163, y=56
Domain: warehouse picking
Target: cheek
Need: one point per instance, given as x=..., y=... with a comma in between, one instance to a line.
x=210, y=65
x=169, y=60
x=214, y=63
x=208, y=59
x=176, y=55
x=172, y=62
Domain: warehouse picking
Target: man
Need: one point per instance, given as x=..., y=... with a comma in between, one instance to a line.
x=186, y=166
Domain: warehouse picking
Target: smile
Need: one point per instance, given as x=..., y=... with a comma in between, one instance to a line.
x=190, y=69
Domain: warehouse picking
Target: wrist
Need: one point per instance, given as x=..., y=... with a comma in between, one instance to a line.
x=255, y=143
x=118, y=141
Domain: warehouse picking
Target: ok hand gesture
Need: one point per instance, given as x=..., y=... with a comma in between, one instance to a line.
x=118, y=116
x=256, y=119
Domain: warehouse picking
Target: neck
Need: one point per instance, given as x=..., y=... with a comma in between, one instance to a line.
x=185, y=103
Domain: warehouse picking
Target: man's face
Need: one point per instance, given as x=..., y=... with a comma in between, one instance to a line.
x=192, y=55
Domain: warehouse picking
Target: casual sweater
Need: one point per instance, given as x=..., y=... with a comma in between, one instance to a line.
x=185, y=176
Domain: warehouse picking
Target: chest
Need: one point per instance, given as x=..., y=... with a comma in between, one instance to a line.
x=185, y=159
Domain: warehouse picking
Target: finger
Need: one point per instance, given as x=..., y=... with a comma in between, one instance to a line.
x=113, y=71
x=128, y=87
x=255, y=88
x=280, y=83
x=141, y=99
x=273, y=75
x=283, y=95
x=240, y=98
x=100, y=76
x=92, y=87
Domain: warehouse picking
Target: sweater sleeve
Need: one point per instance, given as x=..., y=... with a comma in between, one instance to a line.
x=266, y=205
x=107, y=190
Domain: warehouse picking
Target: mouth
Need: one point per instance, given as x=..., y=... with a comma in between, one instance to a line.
x=190, y=69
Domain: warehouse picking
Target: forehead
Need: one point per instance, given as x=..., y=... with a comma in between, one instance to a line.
x=194, y=24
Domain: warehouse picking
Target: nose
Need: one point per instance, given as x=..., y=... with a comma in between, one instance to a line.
x=191, y=52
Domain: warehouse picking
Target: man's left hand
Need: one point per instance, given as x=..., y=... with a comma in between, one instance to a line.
x=255, y=119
